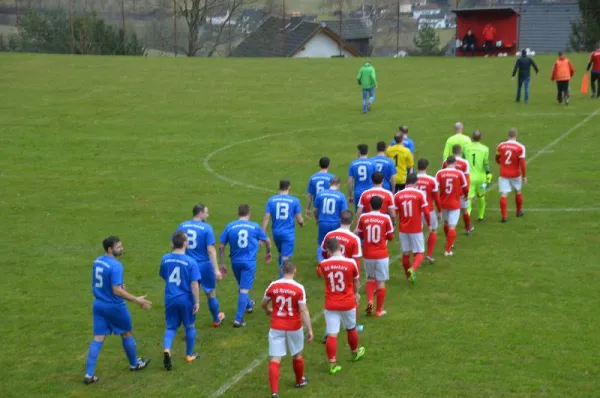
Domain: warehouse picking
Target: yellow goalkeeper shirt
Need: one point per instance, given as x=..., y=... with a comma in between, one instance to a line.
x=403, y=160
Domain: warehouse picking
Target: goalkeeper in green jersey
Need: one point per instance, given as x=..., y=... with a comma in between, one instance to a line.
x=479, y=160
x=457, y=139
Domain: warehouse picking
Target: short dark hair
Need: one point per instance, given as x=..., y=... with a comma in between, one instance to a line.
x=381, y=146
x=422, y=164
x=324, y=162
x=377, y=177
x=376, y=202
x=451, y=160
x=403, y=129
x=476, y=135
x=335, y=181
x=560, y=53
x=333, y=245
x=456, y=149
x=288, y=267
x=243, y=210
x=179, y=238
x=524, y=53
x=284, y=185
x=110, y=242
x=411, y=178
x=199, y=208
x=398, y=138
x=363, y=149
x=346, y=217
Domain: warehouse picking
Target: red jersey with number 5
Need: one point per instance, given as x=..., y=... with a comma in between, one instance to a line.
x=462, y=165
x=349, y=242
x=340, y=274
x=453, y=185
x=286, y=296
x=509, y=155
x=375, y=229
x=386, y=196
x=411, y=204
x=429, y=186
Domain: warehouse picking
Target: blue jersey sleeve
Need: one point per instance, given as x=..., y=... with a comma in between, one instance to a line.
x=116, y=275
x=224, y=238
x=350, y=171
x=210, y=237
x=260, y=233
x=268, y=207
x=162, y=271
x=318, y=201
x=311, y=187
x=195, y=271
x=297, y=207
x=343, y=203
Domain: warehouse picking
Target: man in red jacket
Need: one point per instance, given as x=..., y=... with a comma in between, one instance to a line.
x=561, y=74
x=489, y=36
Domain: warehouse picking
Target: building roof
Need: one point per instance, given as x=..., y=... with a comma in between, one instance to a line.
x=352, y=29
x=546, y=28
x=484, y=9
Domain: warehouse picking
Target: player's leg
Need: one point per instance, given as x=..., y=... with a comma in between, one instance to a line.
x=519, y=85
x=567, y=91
x=295, y=342
x=121, y=324
x=364, y=100
x=452, y=221
x=173, y=321
x=321, y=232
x=209, y=284
x=432, y=237
x=596, y=79
x=101, y=329
x=527, y=81
x=277, y=350
x=405, y=248
x=445, y=220
x=332, y=322
x=348, y=319
x=287, y=250
x=516, y=184
x=504, y=188
x=417, y=243
x=371, y=284
x=464, y=206
x=371, y=97
x=559, y=96
x=245, y=284
x=189, y=322
x=382, y=273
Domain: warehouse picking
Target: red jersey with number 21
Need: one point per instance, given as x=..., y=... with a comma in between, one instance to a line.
x=411, y=204
x=340, y=274
x=453, y=185
x=509, y=155
x=286, y=295
x=375, y=229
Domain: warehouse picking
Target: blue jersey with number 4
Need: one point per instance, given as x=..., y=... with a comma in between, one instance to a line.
x=200, y=236
x=283, y=210
x=107, y=272
x=318, y=182
x=387, y=167
x=242, y=237
x=330, y=204
x=361, y=170
x=178, y=271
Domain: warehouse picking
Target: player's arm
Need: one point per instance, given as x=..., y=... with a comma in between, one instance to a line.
x=267, y=243
x=350, y=189
x=523, y=166
x=305, y=314
x=392, y=212
x=537, y=70
x=265, y=305
x=222, y=254
x=309, y=200
x=266, y=220
x=212, y=255
x=516, y=67
x=119, y=290
x=196, y=293
x=437, y=201
x=360, y=206
x=589, y=65
x=390, y=232
x=300, y=219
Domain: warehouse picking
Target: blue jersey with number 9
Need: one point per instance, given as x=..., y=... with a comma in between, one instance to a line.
x=178, y=271
x=200, y=236
x=107, y=272
x=361, y=170
x=283, y=210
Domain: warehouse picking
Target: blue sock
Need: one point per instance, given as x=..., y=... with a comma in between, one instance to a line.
x=129, y=347
x=93, y=353
x=319, y=254
x=241, y=308
x=190, y=340
x=213, y=307
x=168, y=338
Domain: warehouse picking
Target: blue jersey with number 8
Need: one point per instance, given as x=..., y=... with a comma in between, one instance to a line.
x=361, y=170
x=178, y=271
x=200, y=236
x=106, y=273
x=242, y=237
x=283, y=210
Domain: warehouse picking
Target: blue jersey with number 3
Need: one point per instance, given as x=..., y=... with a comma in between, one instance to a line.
x=283, y=210
x=242, y=237
x=387, y=167
x=330, y=204
x=318, y=182
x=200, y=236
x=107, y=272
x=178, y=271
x=361, y=170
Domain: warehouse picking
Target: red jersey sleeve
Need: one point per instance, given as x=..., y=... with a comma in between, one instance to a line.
x=390, y=229
x=359, y=228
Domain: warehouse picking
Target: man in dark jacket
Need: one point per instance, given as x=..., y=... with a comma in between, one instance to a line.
x=523, y=66
x=468, y=43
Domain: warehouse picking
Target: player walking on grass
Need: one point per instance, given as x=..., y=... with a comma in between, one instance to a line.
x=452, y=186
x=359, y=175
x=481, y=176
x=341, y=277
x=403, y=160
x=386, y=166
x=317, y=183
x=182, y=297
x=510, y=155
x=201, y=247
x=288, y=311
x=375, y=229
x=562, y=73
x=328, y=211
x=367, y=79
x=243, y=237
x=463, y=165
x=364, y=204
x=594, y=65
x=110, y=313
x=458, y=138
x=430, y=187
x=284, y=211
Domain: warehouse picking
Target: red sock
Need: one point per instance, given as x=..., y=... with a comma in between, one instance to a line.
x=274, y=376
x=380, y=298
x=417, y=261
x=298, y=364
x=331, y=348
x=503, y=207
x=370, y=288
x=406, y=263
x=431, y=241
x=467, y=220
x=451, y=239
x=519, y=202
x=446, y=228
x=353, y=338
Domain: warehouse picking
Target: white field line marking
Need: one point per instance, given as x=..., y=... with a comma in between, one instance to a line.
x=254, y=364
x=560, y=210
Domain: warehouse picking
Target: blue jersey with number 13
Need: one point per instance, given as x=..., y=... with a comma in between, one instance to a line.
x=283, y=210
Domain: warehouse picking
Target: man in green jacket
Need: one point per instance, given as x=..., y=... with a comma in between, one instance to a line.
x=367, y=79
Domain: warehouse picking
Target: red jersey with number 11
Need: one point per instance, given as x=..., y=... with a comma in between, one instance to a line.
x=411, y=204
x=340, y=274
x=286, y=295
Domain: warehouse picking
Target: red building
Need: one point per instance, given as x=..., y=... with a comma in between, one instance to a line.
x=504, y=19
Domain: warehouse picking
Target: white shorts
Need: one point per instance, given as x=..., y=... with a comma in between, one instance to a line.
x=451, y=216
x=506, y=185
x=333, y=319
x=412, y=242
x=464, y=203
x=279, y=338
x=434, y=220
x=378, y=269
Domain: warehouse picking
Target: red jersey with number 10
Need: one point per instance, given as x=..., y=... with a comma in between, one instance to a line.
x=340, y=274
x=453, y=185
x=411, y=204
x=509, y=155
x=349, y=242
x=375, y=229
x=286, y=295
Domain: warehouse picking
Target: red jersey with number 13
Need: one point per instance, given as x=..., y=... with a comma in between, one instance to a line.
x=375, y=229
x=286, y=295
x=509, y=155
x=453, y=185
x=340, y=274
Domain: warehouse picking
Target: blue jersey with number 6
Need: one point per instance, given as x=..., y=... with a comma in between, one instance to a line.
x=107, y=272
x=330, y=204
x=283, y=210
x=318, y=182
x=178, y=271
x=200, y=236
x=242, y=237
x=361, y=170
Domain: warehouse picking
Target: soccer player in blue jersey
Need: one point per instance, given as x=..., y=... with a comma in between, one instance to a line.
x=201, y=247
x=283, y=210
x=359, y=175
x=111, y=315
x=386, y=166
x=243, y=237
x=329, y=205
x=182, y=297
x=402, y=137
x=317, y=183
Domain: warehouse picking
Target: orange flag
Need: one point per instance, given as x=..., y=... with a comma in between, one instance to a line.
x=584, y=83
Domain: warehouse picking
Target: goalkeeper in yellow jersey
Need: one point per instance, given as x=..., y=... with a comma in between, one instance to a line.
x=479, y=160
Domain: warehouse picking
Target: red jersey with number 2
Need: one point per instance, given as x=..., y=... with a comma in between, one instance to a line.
x=411, y=204
x=453, y=185
x=286, y=296
x=509, y=155
x=375, y=229
x=340, y=275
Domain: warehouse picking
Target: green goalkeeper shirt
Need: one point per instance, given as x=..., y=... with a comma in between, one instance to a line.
x=479, y=160
x=460, y=139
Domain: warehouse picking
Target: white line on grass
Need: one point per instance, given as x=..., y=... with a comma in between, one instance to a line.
x=560, y=209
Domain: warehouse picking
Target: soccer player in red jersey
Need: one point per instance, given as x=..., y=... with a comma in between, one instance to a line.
x=594, y=65
x=453, y=186
x=429, y=186
x=288, y=311
x=463, y=165
x=375, y=229
x=341, y=297
x=510, y=155
x=364, y=204
x=412, y=208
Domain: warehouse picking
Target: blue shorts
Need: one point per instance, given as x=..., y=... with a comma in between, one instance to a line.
x=244, y=274
x=180, y=311
x=285, y=246
x=324, y=229
x=207, y=273
x=111, y=318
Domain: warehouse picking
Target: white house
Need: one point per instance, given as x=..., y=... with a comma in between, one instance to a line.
x=321, y=46
x=406, y=8
x=438, y=21
x=428, y=9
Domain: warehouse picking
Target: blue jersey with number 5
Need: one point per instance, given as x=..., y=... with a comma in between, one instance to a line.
x=106, y=273
x=200, y=236
x=361, y=170
x=330, y=205
x=318, y=182
x=387, y=167
x=242, y=237
x=178, y=271
x=283, y=210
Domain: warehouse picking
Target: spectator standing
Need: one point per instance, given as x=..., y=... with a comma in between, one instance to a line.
x=523, y=66
x=489, y=36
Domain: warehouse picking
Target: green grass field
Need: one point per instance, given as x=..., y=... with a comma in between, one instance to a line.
x=92, y=146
